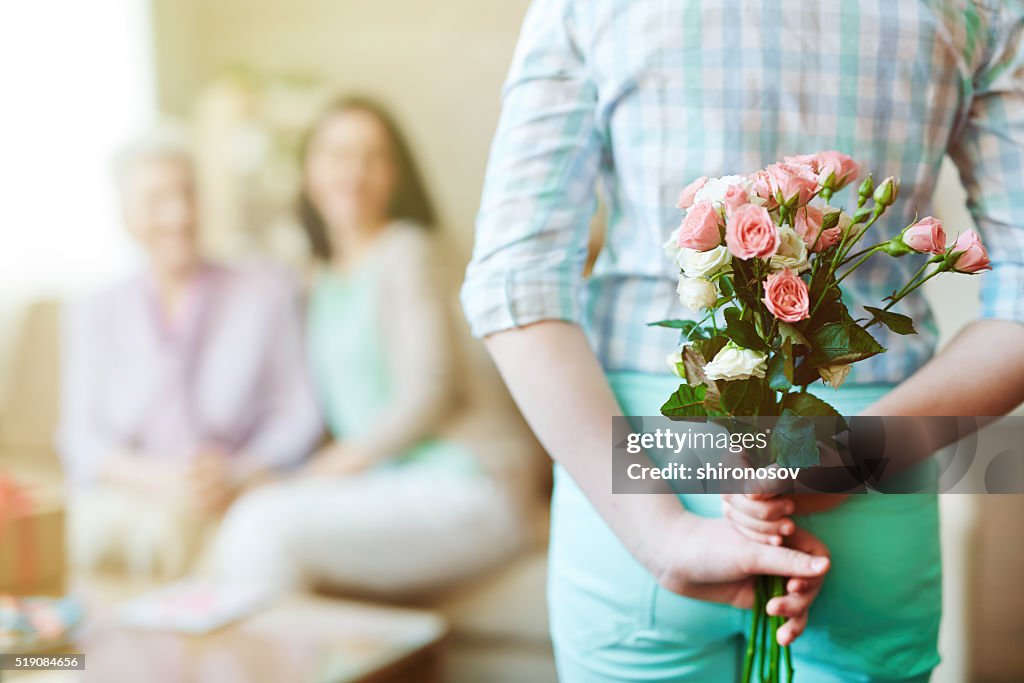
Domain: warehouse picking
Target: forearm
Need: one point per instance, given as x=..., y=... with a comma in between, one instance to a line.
x=980, y=372
x=562, y=392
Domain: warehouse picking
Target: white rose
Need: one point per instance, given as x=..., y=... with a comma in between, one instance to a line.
x=705, y=263
x=675, y=364
x=734, y=362
x=714, y=189
x=671, y=245
x=834, y=375
x=696, y=293
x=792, y=252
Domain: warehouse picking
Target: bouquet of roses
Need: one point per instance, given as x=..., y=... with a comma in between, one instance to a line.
x=761, y=259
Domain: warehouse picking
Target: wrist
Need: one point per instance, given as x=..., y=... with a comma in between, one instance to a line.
x=660, y=550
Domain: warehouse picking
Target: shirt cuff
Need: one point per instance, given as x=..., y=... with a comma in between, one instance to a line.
x=510, y=299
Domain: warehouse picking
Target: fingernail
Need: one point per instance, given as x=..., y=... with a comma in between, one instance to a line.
x=819, y=564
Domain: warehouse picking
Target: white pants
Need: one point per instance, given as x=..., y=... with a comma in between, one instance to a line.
x=390, y=532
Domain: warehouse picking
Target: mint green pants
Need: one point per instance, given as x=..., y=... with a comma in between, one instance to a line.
x=876, y=619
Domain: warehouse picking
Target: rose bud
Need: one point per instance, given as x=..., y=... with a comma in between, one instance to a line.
x=925, y=236
x=969, y=255
x=886, y=193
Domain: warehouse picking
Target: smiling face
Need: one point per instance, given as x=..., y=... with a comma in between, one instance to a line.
x=350, y=171
x=159, y=207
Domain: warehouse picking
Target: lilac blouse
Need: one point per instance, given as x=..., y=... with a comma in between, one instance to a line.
x=230, y=374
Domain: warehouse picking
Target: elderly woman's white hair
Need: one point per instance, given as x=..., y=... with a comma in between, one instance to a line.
x=166, y=140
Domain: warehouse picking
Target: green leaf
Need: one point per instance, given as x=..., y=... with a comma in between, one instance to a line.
x=787, y=331
x=780, y=367
x=794, y=441
x=823, y=287
x=742, y=396
x=840, y=343
x=677, y=324
x=808, y=405
x=804, y=373
x=687, y=401
x=897, y=322
x=743, y=332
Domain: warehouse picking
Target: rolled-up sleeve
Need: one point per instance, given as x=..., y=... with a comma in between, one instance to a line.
x=989, y=153
x=539, y=193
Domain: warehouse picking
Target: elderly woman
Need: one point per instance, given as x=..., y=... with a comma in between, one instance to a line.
x=183, y=384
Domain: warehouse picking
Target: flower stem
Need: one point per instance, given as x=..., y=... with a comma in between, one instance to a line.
x=903, y=293
x=861, y=252
x=867, y=253
x=773, y=668
x=762, y=637
x=755, y=625
x=846, y=244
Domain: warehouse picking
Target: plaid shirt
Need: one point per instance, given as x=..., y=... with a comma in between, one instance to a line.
x=640, y=97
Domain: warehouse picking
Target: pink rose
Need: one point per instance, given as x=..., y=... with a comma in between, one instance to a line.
x=926, y=236
x=751, y=233
x=792, y=182
x=689, y=192
x=701, y=228
x=785, y=295
x=972, y=257
x=763, y=188
x=807, y=223
x=835, y=169
x=735, y=197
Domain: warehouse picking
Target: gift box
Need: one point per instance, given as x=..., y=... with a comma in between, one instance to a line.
x=32, y=555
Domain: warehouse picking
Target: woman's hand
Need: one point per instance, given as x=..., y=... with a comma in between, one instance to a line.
x=709, y=559
x=338, y=460
x=208, y=484
x=765, y=517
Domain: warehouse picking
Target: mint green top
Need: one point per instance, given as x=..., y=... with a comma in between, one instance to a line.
x=348, y=352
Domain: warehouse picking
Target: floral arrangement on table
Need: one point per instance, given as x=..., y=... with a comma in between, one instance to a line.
x=762, y=258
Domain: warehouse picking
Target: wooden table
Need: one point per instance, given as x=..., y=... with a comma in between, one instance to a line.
x=298, y=639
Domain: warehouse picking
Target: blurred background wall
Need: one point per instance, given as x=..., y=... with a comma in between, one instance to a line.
x=438, y=65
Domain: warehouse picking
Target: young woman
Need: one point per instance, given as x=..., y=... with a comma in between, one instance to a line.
x=421, y=483
x=646, y=97
x=183, y=384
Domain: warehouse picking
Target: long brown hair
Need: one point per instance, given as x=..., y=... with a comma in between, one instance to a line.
x=410, y=200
